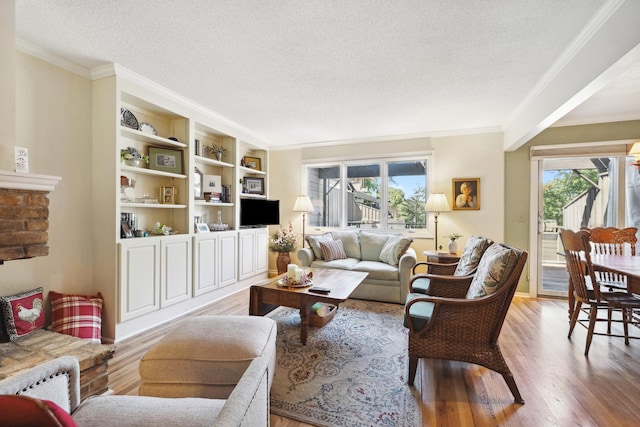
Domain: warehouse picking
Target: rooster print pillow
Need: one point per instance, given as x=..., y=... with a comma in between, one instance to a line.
x=22, y=313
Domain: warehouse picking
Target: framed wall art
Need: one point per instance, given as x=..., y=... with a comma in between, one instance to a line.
x=165, y=159
x=254, y=185
x=252, y=163
x=466, y=193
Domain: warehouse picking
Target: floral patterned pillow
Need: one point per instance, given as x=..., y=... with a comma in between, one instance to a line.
x=495, y=266
x=473, y=251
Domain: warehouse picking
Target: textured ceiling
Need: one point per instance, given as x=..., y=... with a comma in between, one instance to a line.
x=295, y=72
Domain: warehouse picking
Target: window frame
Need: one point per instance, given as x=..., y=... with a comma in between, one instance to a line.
x=344, y=163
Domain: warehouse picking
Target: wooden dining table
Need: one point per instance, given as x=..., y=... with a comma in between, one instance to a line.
x=627, y=265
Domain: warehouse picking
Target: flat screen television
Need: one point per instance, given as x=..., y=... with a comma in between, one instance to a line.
x=257, y=212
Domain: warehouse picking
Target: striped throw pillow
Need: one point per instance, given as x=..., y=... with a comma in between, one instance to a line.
x=332, y=249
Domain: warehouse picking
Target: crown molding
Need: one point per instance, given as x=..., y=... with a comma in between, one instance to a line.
x=47, y=56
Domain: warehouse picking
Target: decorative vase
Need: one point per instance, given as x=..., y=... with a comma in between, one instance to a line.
x=133, y=162
x=219, y=156
x=453, y=246
x=282, y=262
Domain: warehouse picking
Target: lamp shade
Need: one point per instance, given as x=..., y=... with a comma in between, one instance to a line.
x=635, y=149
x=437, y=202
x=303, y=204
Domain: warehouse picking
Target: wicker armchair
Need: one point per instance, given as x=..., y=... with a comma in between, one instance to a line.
x=462, y=270
x=465, y=326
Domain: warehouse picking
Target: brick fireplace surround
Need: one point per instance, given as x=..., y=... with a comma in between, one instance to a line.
x=24, y=215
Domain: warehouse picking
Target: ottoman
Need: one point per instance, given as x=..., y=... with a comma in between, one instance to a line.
x=206, y=356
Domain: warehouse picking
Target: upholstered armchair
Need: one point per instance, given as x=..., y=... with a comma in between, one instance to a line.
x=442, y=275
x=465, y=324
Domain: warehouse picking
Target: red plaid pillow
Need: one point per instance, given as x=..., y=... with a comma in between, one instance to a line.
x=77, y=315
x=23, y=313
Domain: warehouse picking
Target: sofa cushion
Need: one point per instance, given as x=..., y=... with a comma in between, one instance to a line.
x=378, y=270
x=350, y=241
x=77, y=315
x=473, y=251
x=108, y=411
x=371, y=245
x=23, y=313
x=342, y=264
x=394, y=248
x=314, y=243
x=494, y=268
x=332, y=250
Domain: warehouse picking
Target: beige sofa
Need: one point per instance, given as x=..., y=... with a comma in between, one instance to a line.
x=388, y=259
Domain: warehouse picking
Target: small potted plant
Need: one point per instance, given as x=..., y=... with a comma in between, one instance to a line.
x=217, y=150
x=133, y=157
x=453, y=245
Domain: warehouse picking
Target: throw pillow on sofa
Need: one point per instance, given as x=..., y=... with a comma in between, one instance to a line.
x=394, y=248
x=314, y=243
x=332, y=250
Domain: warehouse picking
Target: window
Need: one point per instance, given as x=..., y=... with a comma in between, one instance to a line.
x=375, y=195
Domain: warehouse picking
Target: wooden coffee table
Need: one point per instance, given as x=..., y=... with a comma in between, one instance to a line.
x=265, y=298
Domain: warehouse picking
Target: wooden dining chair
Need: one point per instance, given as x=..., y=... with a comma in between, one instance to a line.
x=586, y=287
x=461, y=270
x=612, y=241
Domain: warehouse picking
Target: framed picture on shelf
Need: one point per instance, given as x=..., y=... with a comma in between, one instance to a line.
x=202, y=228
x=212, y=184
x=165, y=159
x=125, y=230
x=254, y=185
x=252, y=163
x=466, y=193
x=168, y=195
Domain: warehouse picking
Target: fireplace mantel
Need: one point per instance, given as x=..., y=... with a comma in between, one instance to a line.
x=28, y=181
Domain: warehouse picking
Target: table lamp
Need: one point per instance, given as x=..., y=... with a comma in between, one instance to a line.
x=303, y=204
x=436, y=203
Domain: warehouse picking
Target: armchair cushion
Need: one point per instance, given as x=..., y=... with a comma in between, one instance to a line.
x=471, y=255
x=495, y=267
x=420, y=312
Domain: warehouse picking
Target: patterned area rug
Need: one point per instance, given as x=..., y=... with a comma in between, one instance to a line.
x=352, y=372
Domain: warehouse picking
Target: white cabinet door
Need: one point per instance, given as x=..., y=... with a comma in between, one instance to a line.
x=175, y=277
x=228, y=250
x=262, y=250
x=247, y=253
x=139, y=261
x=205, y=263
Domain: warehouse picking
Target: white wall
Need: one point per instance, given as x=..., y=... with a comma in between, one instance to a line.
x=53, y=120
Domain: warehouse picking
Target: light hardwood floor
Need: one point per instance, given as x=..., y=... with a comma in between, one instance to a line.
x=561, y=387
